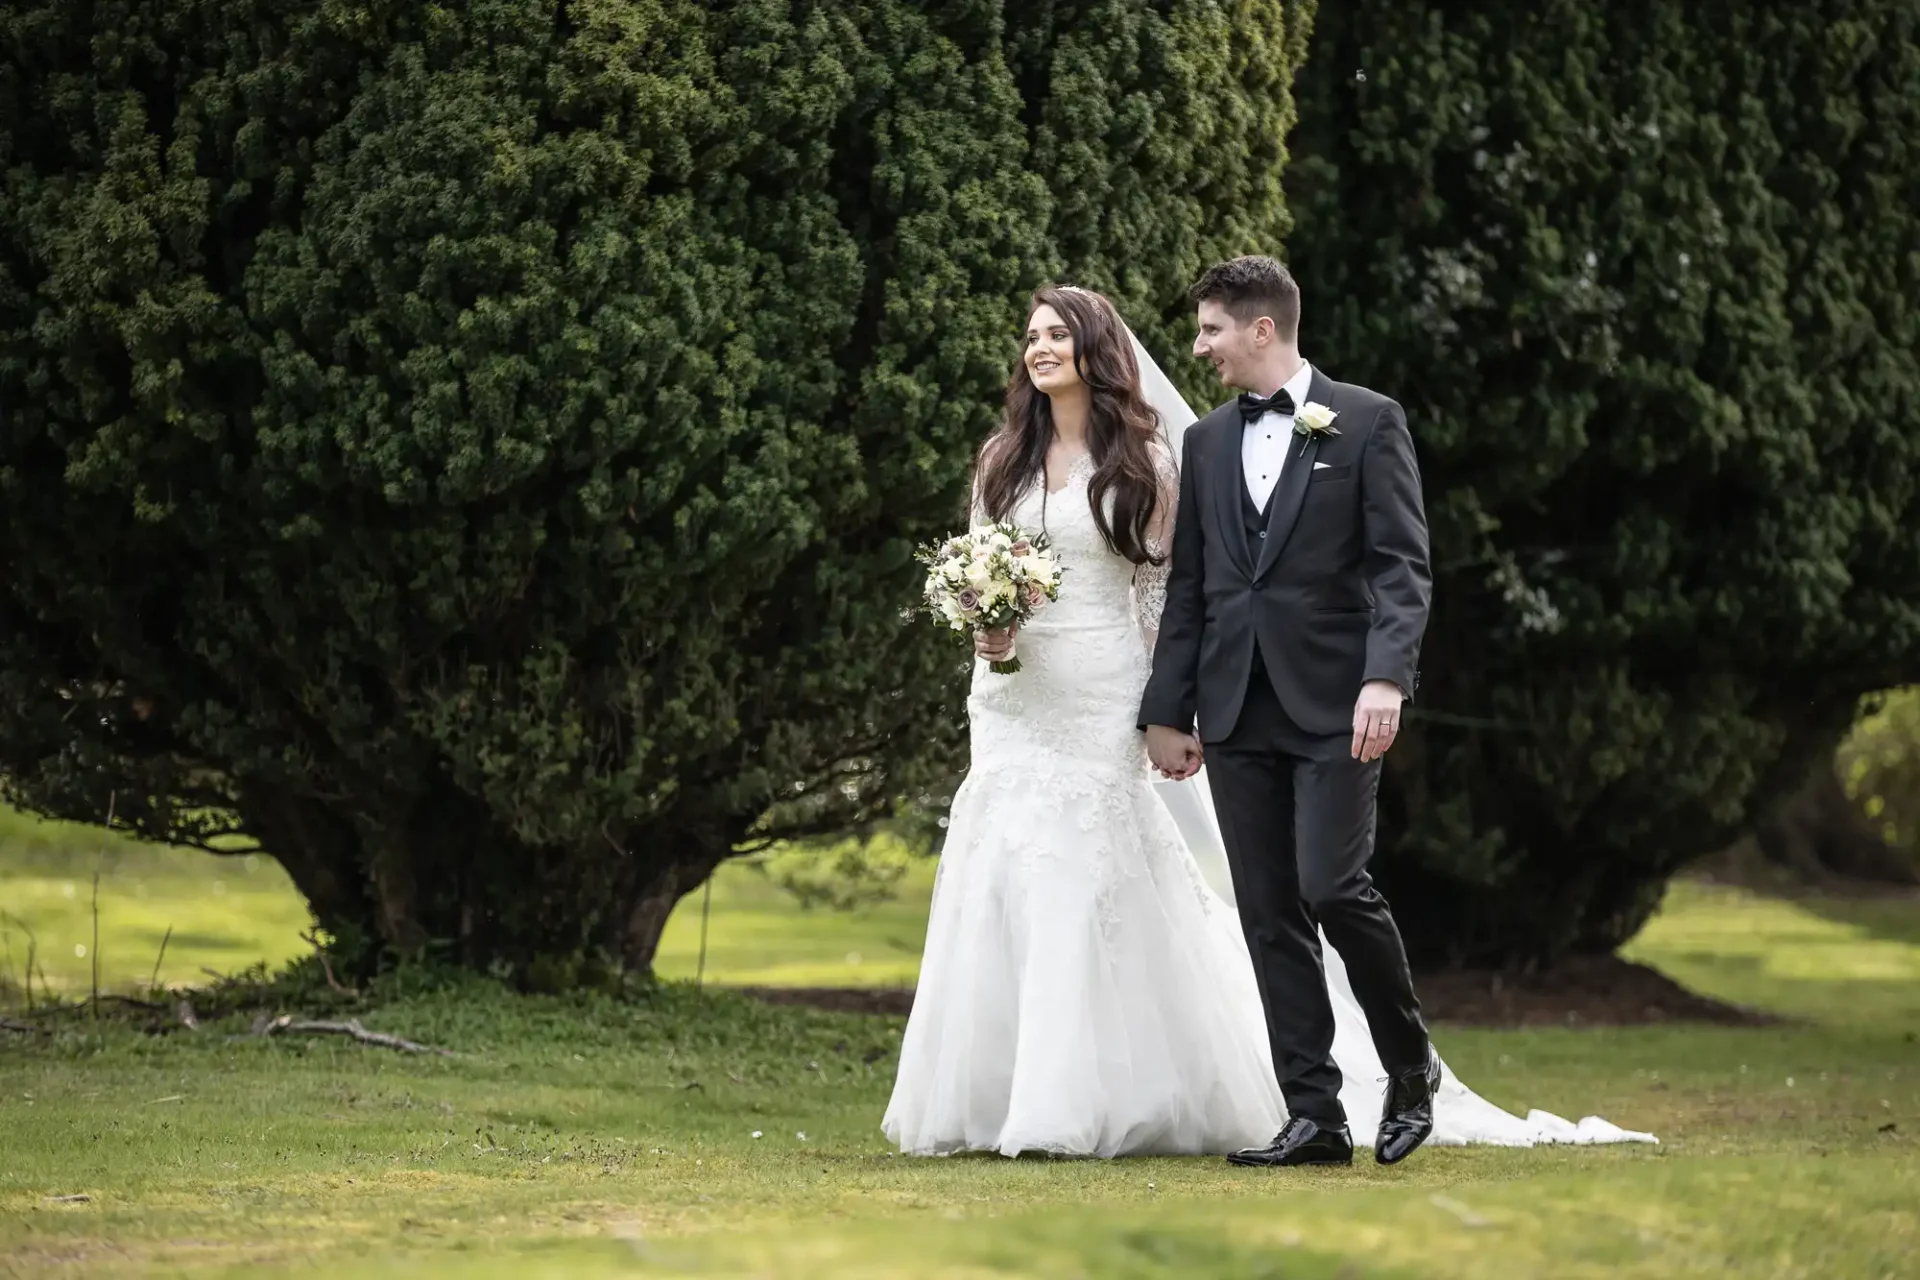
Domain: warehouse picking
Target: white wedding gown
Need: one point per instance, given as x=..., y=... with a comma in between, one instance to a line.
x=1084, y=990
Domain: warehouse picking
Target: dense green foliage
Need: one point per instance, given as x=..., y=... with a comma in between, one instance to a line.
x=1879, y=765
x=473, y=452
x=1644, y=276
x=1160, y=129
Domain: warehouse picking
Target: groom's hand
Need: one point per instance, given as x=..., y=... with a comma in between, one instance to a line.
x=1376, y=719
x=1175, y=754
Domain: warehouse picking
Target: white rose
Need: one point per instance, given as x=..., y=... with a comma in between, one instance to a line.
x=1316, y=418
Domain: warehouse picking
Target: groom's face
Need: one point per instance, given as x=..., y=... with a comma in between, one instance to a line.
x=1228, y=345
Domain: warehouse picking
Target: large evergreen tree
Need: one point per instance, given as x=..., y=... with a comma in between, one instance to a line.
x=1645, y=277
x=474, y=451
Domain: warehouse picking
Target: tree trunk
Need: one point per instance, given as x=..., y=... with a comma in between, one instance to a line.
x=645, y=919
x=660, y=877
x=443, y=879
x=320, y=852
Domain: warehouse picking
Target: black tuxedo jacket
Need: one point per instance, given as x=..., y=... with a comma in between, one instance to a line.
x=1336, y=593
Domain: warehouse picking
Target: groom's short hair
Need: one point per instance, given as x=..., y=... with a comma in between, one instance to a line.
x=1252, y=287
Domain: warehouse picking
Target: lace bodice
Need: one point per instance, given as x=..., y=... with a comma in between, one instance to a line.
x=1069, y=715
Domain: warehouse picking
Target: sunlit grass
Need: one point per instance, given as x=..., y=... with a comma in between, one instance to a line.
x=224, y=913
x=1851, y=960
x=758, y=936
x=584, y=1137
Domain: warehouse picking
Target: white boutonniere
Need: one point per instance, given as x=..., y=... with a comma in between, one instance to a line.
x=1313, y=422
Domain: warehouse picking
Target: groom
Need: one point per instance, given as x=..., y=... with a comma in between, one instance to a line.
x=1293, y=620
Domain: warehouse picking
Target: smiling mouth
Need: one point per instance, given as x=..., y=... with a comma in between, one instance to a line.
x=1045, y=366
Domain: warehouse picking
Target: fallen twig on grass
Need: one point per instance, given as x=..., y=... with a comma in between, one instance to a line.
x=24, y=1028
x=351, y=1028
x=82, y=1198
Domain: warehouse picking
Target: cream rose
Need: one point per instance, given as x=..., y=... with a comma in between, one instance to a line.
x=1315, y=419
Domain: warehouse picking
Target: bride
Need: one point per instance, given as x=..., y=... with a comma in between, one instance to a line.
x=1085, y=989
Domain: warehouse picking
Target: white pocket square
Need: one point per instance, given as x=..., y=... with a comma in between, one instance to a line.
x=1321, y=466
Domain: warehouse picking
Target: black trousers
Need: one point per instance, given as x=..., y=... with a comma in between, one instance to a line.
x=1297, y=816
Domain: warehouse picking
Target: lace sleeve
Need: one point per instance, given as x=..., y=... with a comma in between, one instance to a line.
x=977, y=498
x=1150, y=580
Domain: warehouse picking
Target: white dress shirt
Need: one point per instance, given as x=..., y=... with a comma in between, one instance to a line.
x=1267, y=443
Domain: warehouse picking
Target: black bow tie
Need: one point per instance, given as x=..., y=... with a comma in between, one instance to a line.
x=1253, y=408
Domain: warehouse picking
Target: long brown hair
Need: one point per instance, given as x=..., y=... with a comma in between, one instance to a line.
x=1121, y=428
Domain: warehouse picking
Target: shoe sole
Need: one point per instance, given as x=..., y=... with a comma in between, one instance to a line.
x=1289, y=1164
x=1382, y=1160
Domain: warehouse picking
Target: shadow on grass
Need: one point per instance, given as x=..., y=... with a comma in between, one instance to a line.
x=1890, y=914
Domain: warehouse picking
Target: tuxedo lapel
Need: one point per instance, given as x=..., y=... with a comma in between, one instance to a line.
x=1283, y=511
x=1230, y=469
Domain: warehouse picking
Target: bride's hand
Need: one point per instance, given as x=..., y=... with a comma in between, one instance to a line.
x=1178, y=756
x=994, y=646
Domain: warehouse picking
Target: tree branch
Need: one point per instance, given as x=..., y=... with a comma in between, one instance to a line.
x=352, y=1029
x=312, y=939
x=223, y=850
x=837, y=821
x=132, y=1002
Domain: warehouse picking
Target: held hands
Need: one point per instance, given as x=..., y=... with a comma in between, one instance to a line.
x=994, y=646
x=1175, y=754
x=1376, y=719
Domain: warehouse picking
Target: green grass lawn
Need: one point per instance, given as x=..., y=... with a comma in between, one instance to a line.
x=664, y=1135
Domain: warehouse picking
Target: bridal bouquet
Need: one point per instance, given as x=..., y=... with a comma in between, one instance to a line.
x=992, y=578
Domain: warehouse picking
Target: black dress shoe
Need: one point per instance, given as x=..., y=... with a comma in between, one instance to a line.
x=1407, y=1119
x=1302, y=1142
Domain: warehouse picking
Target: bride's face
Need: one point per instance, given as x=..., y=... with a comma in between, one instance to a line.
x=1049, y=353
